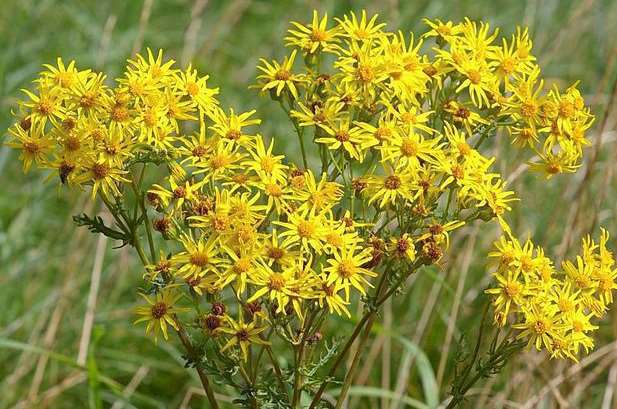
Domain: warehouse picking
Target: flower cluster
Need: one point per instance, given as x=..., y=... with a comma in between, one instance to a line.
x=553, y=309
x=376, y=98
x=262, y=242
x=90, y=133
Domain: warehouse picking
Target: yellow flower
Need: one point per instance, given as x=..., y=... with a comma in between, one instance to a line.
x=264, y=163
x=34, y=144
x=540, y=326
x=177, y=192
x=305, y=228
x=360, y=29
x=317, y=114
x=444, y=30
x=196, y=88
x=243, y=335
x=385, y=130
x=279, y=76
x=278, y=287
x=318, y=197
x=410, y=149
x=160, y=312
x=396, y=185
x=88, y=95
x=337, y=237
x=511, y=59
x=329, y=295
x=276, y=253
x=103, y=177
x=200, y=256
x=230, y=128
x=241, y=267
x=62, y=76
x=362, y=68
x=352, y=139
x=195, y=148
x=479, y=81
x=410, y=119
x=153, y=68
x=345, y=269
x=47, y=105
x=220, y=162
x=510, y=291
x=314, y=37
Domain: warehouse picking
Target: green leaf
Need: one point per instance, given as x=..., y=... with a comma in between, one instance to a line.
x=97, y=225
x=425, y=369
x=94, y=395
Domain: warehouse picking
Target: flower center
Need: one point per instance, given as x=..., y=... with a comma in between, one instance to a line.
x=159, y=310
x=277, y=281
x=199, y=259
x=306, y=229
x=474, y=76
x=282, y=75
x=342, y=136
x=392, y=182
x=346, y=269
x=276, y=253
x=242, y=335
x=365, y=73
x=100, y=171
x=540, y=327
x=192, y=88
x=409, y=148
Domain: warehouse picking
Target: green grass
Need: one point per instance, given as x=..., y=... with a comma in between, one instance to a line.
x=46, y=262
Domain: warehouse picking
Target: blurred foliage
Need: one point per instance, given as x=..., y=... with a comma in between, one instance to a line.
x=46, y=262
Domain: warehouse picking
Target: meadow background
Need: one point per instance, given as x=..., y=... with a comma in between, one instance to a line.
x=57, y=281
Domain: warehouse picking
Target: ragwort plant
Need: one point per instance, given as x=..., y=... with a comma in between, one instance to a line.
x=247, y=254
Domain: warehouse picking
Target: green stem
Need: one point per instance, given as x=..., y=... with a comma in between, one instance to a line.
x=365, y=318
x=139, y=197
x=356, y=358
x=297, y=378
x=302, y=148
x=299, y=132
x=297, y=392
x=459, y=394
x=354, y=364
x=186, y=342
x=123, y=226
x=277, y=369
x=447, y=210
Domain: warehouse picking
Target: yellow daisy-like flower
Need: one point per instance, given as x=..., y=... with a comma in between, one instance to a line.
x=276, y=286
x=243, y=335
x=396, y=185
x=230, y=127
x=541, y=326
x=279, y=76
x=160, y=312
x=103, y=177
x=345, y=269
x=35, y=145
x=314, y=37
x=200, y=256
x=330, y=295
x=352, y=139
x=306, y=228
x=360, y=29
